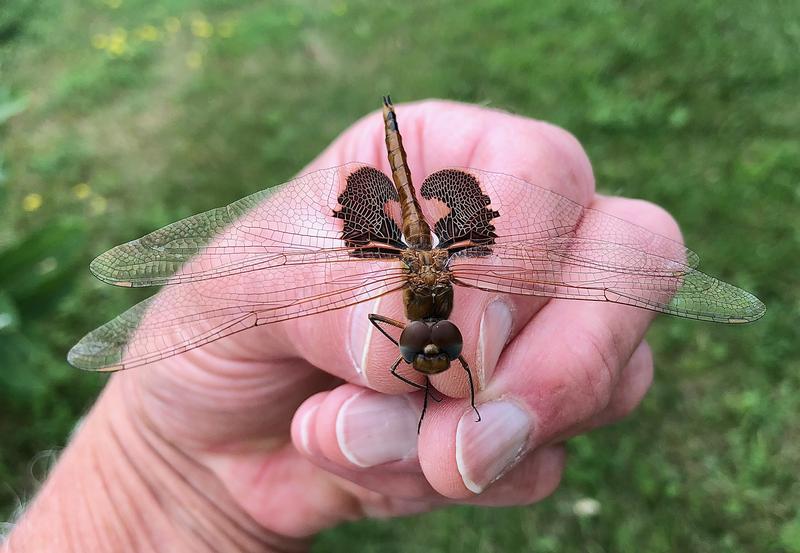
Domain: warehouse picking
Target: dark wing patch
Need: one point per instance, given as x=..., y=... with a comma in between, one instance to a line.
x=364, y=211
x=469, y=222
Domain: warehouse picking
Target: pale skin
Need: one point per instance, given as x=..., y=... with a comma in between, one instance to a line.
x=260, y=440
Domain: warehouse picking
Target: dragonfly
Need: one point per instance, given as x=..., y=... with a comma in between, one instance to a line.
x=337, y=237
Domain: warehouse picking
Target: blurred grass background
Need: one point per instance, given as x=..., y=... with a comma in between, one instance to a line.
x=120, y=116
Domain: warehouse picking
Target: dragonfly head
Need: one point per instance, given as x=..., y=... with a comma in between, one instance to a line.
x=430, y=346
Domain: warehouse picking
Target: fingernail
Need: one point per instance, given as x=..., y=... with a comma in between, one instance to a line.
x=373, y=429
x=360, y=334
x=305, y=428
x=485, y=450
x=494, y=332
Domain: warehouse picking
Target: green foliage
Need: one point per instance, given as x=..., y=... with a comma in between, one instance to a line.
x=36, y=272
x=121, y=116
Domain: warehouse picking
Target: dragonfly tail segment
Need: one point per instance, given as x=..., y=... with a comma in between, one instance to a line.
x=389, y=115
x=416, y=230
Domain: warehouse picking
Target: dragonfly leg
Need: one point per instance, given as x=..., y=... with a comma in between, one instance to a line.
x=471, y=387
x=424, y=403
x=403, y=378
x=378, y=319
x=411, y=382
x=428, y=394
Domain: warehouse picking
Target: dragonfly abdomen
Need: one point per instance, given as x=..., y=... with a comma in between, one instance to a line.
x=416, y=230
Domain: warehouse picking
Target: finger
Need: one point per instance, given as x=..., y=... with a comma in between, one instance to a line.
x=313, y=433
x=355, y=427
x=535, y=477
x=633, y=383
x=557, y=373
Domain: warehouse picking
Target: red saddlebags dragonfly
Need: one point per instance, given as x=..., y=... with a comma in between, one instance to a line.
x=336, y=237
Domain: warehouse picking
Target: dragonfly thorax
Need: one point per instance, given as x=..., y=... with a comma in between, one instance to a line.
x=429, y=290
x=428, y=272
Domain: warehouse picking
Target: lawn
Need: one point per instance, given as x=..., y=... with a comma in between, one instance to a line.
x=120, y=116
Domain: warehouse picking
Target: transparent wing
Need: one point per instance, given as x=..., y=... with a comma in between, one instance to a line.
x=349, y=211
x=512, y=236
x=322, y=241
x=581, y=269
x=473, y=207
x=184, y=316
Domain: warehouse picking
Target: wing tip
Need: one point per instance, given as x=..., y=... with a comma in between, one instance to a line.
x=755, y=311
x=84, y=356
x=744, y=315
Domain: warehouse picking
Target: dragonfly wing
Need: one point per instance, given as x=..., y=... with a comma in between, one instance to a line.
x=322, y=241
x=512, y=236
x=585, y=269
x=352, y=209
x=190, y=314
x=470, y=207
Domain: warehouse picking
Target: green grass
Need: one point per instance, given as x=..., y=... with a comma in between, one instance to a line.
x=693, y=105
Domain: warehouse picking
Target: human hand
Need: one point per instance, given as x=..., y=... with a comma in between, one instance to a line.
x=300, y=422
x=568, y=366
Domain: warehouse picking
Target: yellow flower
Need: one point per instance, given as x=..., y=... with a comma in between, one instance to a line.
x=32, y=202
x=201, y=28
x=82, y=190
x=118, y=42
x=226, y=28
x=117, y=46
x=194, y=60
x=148, y=33
x=98, y=204
x=100, y=41
x=172, y=25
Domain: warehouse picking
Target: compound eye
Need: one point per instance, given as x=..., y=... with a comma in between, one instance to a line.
x=447, y=336
x=416, y=335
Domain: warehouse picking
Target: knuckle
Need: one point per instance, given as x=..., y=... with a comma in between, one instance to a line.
x=572, y=150
x=654, y=218
x=560, y=152
x=634, y=384
x=593, y=366
x=622, y=407
x=579, y=177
